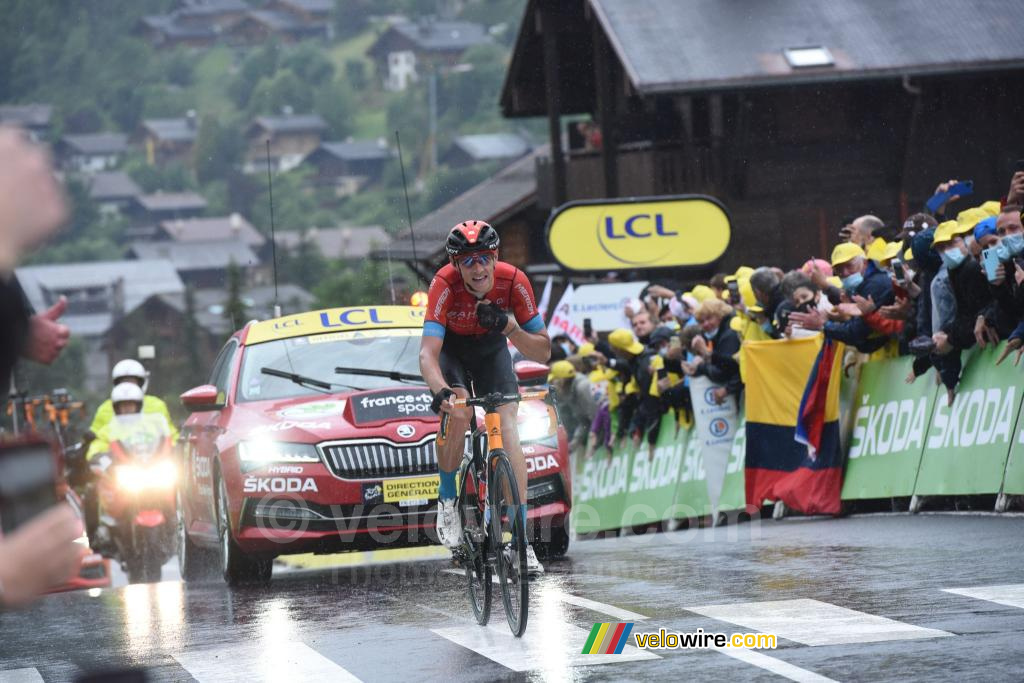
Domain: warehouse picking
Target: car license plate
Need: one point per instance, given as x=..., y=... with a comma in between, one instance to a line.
x=411, y=490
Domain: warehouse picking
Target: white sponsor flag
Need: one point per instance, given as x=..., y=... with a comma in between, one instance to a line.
x=545, y=300
x=561, y=323
x=716, y=428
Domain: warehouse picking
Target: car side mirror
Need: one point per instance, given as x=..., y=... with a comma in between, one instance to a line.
x=531, y=373
x=202, y=398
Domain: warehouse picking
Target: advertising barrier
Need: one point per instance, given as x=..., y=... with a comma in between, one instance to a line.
x=652, y=481
x=715, y=430
x=968, y=443
x=890, y=425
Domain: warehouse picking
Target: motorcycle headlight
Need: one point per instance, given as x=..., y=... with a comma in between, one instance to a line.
x=276, y=451
x=161, y=474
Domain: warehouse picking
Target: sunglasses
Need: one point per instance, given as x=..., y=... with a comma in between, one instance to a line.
x=482, y=259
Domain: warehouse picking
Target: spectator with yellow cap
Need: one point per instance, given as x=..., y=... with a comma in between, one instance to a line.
x=630, y=353
x=767, y=287
x=576, y=403
x=860, y=277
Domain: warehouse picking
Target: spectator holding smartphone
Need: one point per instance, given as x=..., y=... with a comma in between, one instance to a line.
x=42, y=553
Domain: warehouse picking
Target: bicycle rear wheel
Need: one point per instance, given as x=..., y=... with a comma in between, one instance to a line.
x=474, y=545
x=508, y=537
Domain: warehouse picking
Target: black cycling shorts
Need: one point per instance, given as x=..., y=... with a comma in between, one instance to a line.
x=480, y=365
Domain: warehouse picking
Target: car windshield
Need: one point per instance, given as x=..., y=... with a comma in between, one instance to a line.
x=316, y=357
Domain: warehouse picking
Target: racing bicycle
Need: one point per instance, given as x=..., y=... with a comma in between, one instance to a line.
x=493, y=531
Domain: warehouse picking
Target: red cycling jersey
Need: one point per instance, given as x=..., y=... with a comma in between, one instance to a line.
x=451, y=307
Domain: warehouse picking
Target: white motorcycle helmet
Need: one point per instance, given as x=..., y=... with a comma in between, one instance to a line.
x=130, y=368
x=125, y=392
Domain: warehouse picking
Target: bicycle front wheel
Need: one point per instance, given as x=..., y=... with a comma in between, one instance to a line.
x=474, y=545
x=508, y=536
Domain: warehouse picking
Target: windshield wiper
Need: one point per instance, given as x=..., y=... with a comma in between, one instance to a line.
x=388, y=374
x=305, y=381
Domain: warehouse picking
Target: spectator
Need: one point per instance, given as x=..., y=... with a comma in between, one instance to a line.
x=860, y=277
x=643, y=325
x=562, y=347
x=42, y=553
x=862, y=231
x=716, y=350
x=766, y=284
x=575, y=401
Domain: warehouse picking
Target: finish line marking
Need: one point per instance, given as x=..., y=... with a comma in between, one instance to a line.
x=812, y=622
x=1011, y=595
x=30, y=675
x=594, y=605
x=775, y=666
x=546, y=645
x=270, y=662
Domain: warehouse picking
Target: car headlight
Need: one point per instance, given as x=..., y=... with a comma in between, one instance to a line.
x=158, y=475
x=277, y=451
x=534, y=427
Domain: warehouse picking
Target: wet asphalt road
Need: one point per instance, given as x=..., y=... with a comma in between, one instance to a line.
x=863, y=598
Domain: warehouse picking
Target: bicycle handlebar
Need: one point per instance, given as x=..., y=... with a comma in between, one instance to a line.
x=495, y=399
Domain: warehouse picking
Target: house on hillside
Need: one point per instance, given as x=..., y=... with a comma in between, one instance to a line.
x=259, y=26
x=344, y=243
x=406, y=51
x=218, y=229
x=168, y=140
x=149, y=210
x=793, y=114
x=35, y=118
x=99, y=293
x=91, y=153
x=113, y=191
x=467, y=150
x=201, y=264
x=193, y=23
x=291, y=136
x=347, y=167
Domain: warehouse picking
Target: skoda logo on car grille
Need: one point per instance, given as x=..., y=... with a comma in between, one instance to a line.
x=406, y=431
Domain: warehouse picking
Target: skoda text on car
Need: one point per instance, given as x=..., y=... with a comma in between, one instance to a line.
x=315, y=435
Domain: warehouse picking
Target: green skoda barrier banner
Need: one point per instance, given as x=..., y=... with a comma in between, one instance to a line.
x=599, y=488
x=968, y=443
x=734, y=492
x=652, y=481
x=890, y=423
x=1013, y=482
x=691, y=499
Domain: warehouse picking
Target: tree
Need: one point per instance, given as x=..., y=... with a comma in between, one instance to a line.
x=260, y=64
x=355, y=74
x=272, y=95
x=234, y=308
x=217, y=150
x=336, y=103
x=308, y=62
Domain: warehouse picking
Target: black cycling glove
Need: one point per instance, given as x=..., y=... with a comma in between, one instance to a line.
x=439, y=398
x=491, y=317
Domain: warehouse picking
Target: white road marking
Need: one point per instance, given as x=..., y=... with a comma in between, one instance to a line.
x=604, y=608
x=30, y=675
x=776, y=666
x=550, y=645
x=610, y=610
x=271, y=662
x=1011, y=595
x=813, y=622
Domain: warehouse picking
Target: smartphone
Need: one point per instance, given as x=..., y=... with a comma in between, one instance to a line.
x=990, y=259
x=734, y=292
x=961, y=189
x=28, y=481
x=897, y=270
x=588, y=328
x=1018, y=167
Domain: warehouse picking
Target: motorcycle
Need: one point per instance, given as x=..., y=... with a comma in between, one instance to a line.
x=135, y=482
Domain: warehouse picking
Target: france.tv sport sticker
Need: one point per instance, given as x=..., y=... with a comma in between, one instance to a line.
x=391, y=404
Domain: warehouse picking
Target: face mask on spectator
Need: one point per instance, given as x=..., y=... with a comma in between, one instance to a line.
x=567, y=349
x=1014, y=243
x=767, y=326
x=852, y=282
x=953, y=257
x=710, y=334
x=663, y=351
x=1002, y=252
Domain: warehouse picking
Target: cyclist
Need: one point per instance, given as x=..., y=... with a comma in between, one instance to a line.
x=475, y=306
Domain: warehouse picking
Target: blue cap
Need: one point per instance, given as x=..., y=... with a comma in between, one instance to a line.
x=985, y=227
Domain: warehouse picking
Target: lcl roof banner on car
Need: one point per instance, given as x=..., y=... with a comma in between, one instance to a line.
x=335, y=320
x=645, y=232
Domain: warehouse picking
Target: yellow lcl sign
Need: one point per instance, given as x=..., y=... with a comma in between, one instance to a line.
x=639, y=233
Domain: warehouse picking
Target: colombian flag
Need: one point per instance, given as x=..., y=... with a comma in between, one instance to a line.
x=788, y=382
x=607, y=639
